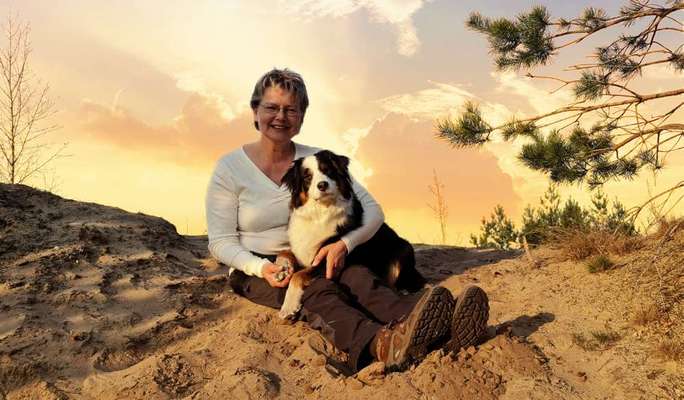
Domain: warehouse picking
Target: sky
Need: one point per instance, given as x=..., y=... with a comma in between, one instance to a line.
x=150, y=94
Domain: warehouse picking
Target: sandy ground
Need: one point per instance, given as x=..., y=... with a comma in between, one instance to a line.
x=98, y=303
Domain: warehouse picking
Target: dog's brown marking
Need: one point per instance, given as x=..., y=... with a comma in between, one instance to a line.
x=393, y=274
x=297, y=181
x=302, y=278
x=303, y=198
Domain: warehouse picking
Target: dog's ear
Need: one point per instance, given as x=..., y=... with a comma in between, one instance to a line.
x=341, y=164
x=294, y=181
x=338, y=162
x=346, y=187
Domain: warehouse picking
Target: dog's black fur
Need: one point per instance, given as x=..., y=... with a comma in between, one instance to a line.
x=388, y=255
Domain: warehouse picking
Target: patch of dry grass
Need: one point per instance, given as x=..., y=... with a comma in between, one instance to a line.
x=579, y=245
x=647, y=315
x=658, y=275
x=597, y=340
x=668, y=228
x=652, y=271
x=580, y=340
x=606, y=338
x=671, y=350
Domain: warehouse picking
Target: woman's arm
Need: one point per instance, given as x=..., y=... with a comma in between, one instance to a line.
x=373, y=217
x=224, y=240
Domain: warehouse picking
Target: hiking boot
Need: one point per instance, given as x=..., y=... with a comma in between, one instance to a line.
x=469, y=322
x=404, y=342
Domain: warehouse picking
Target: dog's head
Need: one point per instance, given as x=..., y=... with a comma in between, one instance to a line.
x=323, y=178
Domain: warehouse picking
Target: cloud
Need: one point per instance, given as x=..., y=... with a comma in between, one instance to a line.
x=539, y=98
x=437, y=101
x=198, y=136
x=397, y=13
x=402, y=153
x=194, y=83
x=442, y=100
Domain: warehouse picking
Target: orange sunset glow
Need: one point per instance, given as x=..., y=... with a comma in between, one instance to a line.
x=150, y=94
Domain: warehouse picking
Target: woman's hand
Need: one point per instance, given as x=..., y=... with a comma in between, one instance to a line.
x=269, y=272
x=334, y=255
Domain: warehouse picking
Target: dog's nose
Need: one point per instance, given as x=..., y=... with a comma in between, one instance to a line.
x=322, y=186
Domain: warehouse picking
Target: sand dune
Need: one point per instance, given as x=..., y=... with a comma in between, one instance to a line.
x=99, y=303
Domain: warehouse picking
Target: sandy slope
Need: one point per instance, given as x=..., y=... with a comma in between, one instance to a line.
x=97, y=303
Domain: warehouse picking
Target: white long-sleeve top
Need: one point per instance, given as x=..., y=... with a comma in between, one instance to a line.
x=248, y=212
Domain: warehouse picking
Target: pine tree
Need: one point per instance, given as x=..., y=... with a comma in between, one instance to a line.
x=497, y=233
x=560, y=143
x=548, y=219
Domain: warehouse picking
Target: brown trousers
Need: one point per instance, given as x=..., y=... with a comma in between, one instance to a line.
x=348, y=311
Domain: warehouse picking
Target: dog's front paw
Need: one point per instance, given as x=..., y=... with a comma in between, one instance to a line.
x=288, y=313
x=287, y=260
x=292, y=302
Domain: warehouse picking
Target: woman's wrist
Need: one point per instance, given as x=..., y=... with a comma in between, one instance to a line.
x=347, y=244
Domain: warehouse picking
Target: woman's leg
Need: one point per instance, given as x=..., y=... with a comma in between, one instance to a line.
x=418, y=322
x=469, y=322
x=326, y=306
x=380, y=301
x=256, y=289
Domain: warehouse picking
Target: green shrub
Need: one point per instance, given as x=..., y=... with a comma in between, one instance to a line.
x=539, y=224
x=498, y=232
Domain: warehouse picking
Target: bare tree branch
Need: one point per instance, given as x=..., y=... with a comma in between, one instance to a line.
x=25, y=107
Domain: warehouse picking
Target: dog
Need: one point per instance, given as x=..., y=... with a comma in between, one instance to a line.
x=323, y=208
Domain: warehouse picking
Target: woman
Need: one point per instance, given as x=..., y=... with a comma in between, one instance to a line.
x=247, y=215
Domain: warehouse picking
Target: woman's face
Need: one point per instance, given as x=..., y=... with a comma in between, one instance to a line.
x=278, y=115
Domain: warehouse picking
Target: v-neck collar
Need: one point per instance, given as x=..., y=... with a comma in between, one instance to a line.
x=261, y=173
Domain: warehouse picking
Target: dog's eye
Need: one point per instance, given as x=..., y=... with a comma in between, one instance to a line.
x=307, y=175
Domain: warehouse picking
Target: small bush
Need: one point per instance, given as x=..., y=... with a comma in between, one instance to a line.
x=606, y=338
x=577, y=245
x=600, y=340
x=647, y=315
x=599, y=263
x=583, y=342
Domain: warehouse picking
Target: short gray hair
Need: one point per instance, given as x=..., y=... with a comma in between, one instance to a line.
x=286, y=79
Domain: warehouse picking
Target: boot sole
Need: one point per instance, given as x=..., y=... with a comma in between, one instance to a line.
x=470, y=319
x=432, y=324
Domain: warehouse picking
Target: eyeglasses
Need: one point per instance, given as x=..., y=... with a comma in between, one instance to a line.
x=274, y=109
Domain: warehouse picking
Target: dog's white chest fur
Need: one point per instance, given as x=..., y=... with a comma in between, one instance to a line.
x=311, y=224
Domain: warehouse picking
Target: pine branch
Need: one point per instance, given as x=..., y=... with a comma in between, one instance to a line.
x=625, y=139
